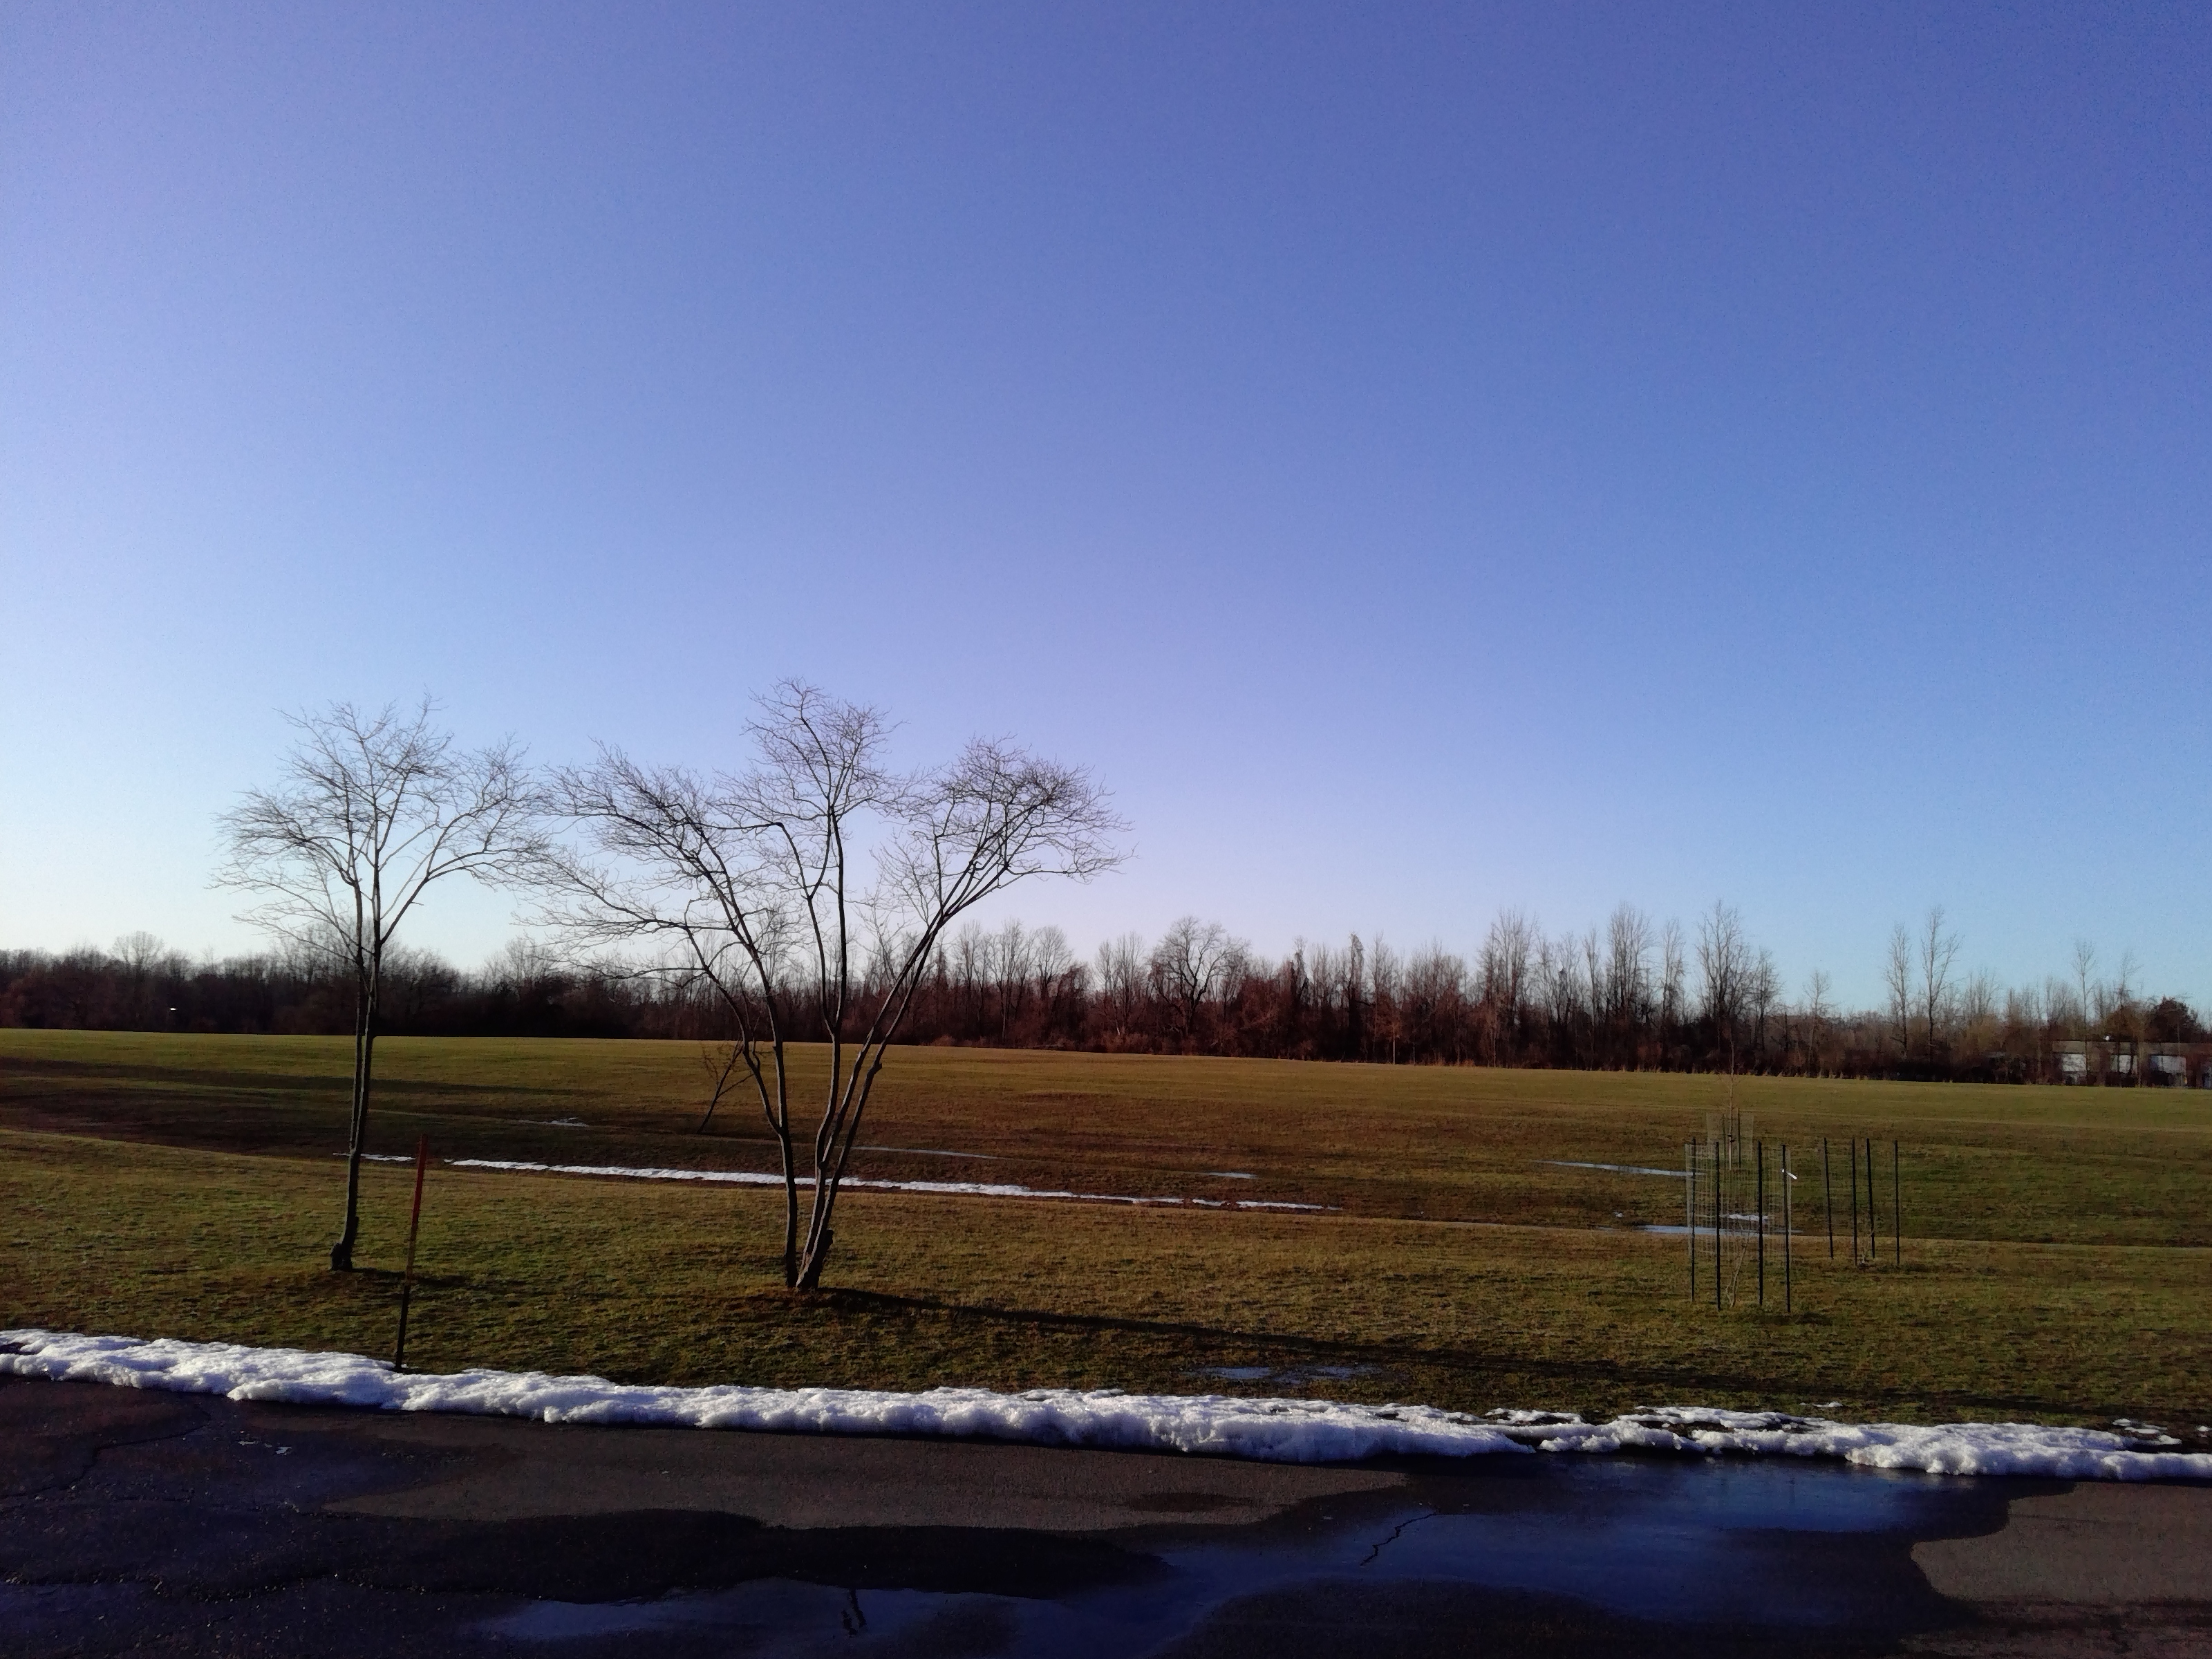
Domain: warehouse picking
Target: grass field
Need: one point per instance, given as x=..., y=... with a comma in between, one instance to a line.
x=2058, y=1254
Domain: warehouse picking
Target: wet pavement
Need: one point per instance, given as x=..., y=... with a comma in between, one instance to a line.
x=139, y=1522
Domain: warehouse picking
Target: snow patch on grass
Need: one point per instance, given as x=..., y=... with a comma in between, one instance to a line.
x=1617, y=1168
x=1273, y=1430
x=957, y=1188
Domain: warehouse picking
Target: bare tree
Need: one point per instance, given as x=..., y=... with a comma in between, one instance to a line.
x=1724, y=963
x=809, y=894
x=1435, y=1002
x=1817, y=1011
x=2120, y=996
x=1352, y=980
x=1187, y=966
x=1008, y=952
x=2084, y=962
x=1504, y=971
x=1627, y=970
x=1059, y=976
x=1674, y=978
x=1122, y=981
x=140, y=956
x=1939, y=950
x=1762, y=989
x=372, y=810
x=1559, y=982
x=1978, y=1012
x=1897, y=977
x=1386, y=982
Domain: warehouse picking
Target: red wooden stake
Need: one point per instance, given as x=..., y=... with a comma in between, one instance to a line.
x=414, y=1223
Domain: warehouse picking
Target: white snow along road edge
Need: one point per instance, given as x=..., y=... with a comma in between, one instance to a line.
x=1272, y=1431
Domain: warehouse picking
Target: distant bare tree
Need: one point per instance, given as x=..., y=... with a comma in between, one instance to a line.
x=1817, y=1011
x=520, y=963
x=1121, y=982
x=2120, y=997
x=1762, y=990
x=1353, y=983
x=1054, y=967
x=1938, y=951
x=1008, y=951
x=965, y=960
x=1978, y=1012
x=1724, y=964
x=140, y=956
x=1627, y=966
x=1505, y=971
x=1897, y=977
x=1435, y=1002
x=1049, y=957
x=2031, y=1015
x=372, y=810
x=1188, y=966
x=808, y=894
x=2084, y=964
x=1385, y=985
x=1674, y=978
x=1559, y=982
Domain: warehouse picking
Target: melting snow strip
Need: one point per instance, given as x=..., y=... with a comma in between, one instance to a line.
x=1273, y=1431
x=1617, y=1168
x=956, y=1188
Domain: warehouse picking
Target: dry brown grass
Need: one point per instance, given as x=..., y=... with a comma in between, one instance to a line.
x=2056, y=1264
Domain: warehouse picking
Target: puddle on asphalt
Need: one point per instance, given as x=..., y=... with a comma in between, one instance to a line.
x=1766, y=1543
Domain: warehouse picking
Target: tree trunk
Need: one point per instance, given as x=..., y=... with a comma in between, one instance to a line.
x=790, y=1208
x=364, y=1041
x=820, y=1236
x=829, y=1160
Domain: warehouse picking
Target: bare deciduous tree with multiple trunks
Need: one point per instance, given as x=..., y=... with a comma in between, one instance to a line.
x=807, y=896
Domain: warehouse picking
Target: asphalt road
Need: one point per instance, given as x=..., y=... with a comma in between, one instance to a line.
x=137, y=1522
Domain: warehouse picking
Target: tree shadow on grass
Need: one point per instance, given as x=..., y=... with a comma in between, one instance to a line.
x=144, y=1081
x=1650, y=1382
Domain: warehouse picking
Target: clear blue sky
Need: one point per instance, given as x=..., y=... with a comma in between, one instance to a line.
x=1425, y=458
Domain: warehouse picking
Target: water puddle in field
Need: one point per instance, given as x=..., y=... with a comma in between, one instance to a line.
x=1624, y=1546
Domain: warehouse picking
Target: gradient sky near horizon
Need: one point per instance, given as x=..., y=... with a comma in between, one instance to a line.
x=1425, y=458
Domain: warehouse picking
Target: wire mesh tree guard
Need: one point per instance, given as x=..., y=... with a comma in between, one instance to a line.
x=1740, y=1206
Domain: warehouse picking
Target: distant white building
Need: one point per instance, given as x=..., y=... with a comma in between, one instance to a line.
x=2122, y=1061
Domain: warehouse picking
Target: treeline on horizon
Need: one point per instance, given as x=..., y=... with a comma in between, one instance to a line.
x=1632, y=995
